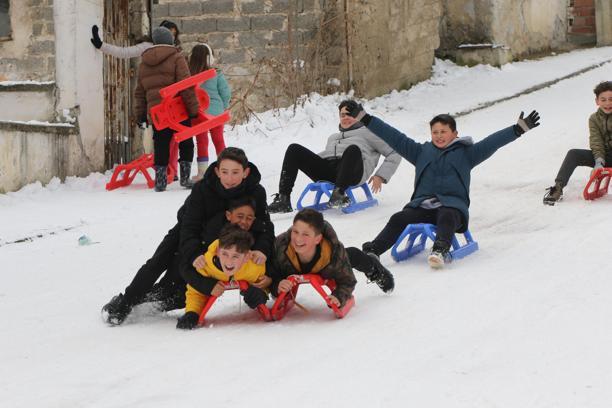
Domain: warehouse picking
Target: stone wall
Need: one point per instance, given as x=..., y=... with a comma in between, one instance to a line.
x=512, y=29
x=30, y=53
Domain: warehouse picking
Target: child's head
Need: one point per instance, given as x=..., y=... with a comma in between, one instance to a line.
x=161, y=35
x=241, y=212
x=173, y=29
x=201, y=58
x=603, y=96
x=443, y=130
x=346, y=120
x=307, y=231
x=232, y=167
x=234, y=246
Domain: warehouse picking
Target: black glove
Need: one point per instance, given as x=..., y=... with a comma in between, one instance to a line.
x=143, y=123
x=525, y=124
x=254, y=297
x=95, y=38
x=188, y=321
x=356, y=110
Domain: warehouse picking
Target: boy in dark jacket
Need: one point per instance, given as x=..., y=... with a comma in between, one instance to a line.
x=600, y=141
x=442, y=178
x=312, y=246
x=232, y=176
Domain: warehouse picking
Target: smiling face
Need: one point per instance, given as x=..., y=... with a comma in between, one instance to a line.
x=243, y=216
x=604, y=101
x=304, y=240
x=231, y=173
x=231, y=260
x=442, y=135
x=346, y=120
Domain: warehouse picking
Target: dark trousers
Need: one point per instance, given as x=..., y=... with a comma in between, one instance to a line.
x=343, y=171
x=359, y=260
x=161, y=147
x=165, y=259
x=447, y=220
x=575, y=158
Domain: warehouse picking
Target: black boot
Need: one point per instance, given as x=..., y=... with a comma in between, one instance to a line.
x=161, y=178
x=280, y=204
x=370, y=249
x=440, y=255
x=338, y=199
x=553, y=194
x=115, y=311
x=380, y=275
x=185, y=171
x=188, y=321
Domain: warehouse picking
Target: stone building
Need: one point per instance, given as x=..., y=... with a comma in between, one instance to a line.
x=65, y=108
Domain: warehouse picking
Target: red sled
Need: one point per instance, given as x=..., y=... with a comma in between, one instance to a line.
x=286, y=300
x=597, y=186
x=263, y=311
x=124, y=174
x=171, y=110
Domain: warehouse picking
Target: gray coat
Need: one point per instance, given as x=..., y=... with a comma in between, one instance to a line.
x=371, y=148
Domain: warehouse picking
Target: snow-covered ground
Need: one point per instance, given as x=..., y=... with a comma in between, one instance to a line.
x=523, y=322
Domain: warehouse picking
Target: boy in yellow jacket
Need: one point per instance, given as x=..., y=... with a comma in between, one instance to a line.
x=226, y=259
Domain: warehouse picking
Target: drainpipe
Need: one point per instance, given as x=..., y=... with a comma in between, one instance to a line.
x=349, y=49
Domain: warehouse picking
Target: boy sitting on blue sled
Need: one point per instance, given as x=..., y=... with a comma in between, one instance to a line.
x=442, y=178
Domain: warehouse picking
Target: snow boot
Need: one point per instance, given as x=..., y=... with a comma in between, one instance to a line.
x=188, y=321
x=202, y=166
x=338, y=199
x=440, y=255
x=280, y=204
x=185, y=171
x=161, y=178
x=553, y=194
x=115, y=311
x=370, y=249
x=380, y=275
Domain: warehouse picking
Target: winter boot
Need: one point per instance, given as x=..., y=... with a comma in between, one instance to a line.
x=161, y=178
x=280, y=204
x=185, y=170
x=115, y=311
x=188, y=321
x=370, y=249
x=338, y=199
x=202, y=166
x=380, y=275
x=553, y=194
x=440, y=255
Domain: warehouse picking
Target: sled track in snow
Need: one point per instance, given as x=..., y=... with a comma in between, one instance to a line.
x=534, y=88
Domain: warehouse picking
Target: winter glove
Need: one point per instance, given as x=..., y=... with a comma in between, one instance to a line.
x=356, y=110
x=599, y=164
x=525, y=124
x=188, y=321
x=254, y=297
x=95, y=38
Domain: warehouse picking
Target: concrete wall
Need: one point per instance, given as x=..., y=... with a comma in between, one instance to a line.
x=27, y=101
x=522, y=27
x=30, y=54
x=603, y=17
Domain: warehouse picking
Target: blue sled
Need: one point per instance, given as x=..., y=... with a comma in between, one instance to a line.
x=325, y=188
x=422, y=232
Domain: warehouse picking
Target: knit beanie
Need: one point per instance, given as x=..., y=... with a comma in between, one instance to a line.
x=161, y=35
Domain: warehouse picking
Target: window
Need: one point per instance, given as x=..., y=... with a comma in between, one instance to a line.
x=5, y=20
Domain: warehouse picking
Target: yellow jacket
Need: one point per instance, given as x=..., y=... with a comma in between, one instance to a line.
x=249, y=271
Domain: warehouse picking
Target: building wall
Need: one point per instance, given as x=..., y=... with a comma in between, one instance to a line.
x=30, y=54
x=603, y=22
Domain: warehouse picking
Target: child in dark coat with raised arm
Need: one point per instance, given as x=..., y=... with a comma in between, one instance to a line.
x=442, y=178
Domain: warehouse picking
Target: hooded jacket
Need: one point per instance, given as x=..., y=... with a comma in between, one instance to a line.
x=443, y=173
x=332, y=264
x=371, y=148
x=600, y=134
x=161, y=65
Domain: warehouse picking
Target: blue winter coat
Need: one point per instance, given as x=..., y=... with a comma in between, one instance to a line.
x=443, y=173
x=219, y=92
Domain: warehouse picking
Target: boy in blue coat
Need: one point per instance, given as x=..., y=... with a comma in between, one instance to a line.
x=442, y=178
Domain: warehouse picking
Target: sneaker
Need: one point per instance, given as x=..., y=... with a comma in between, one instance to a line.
x=380, y=275
x=115, y=311
x=188, y=321
x=553, y=194
x=280, y=204
x=439, y=256
x=338, y=199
